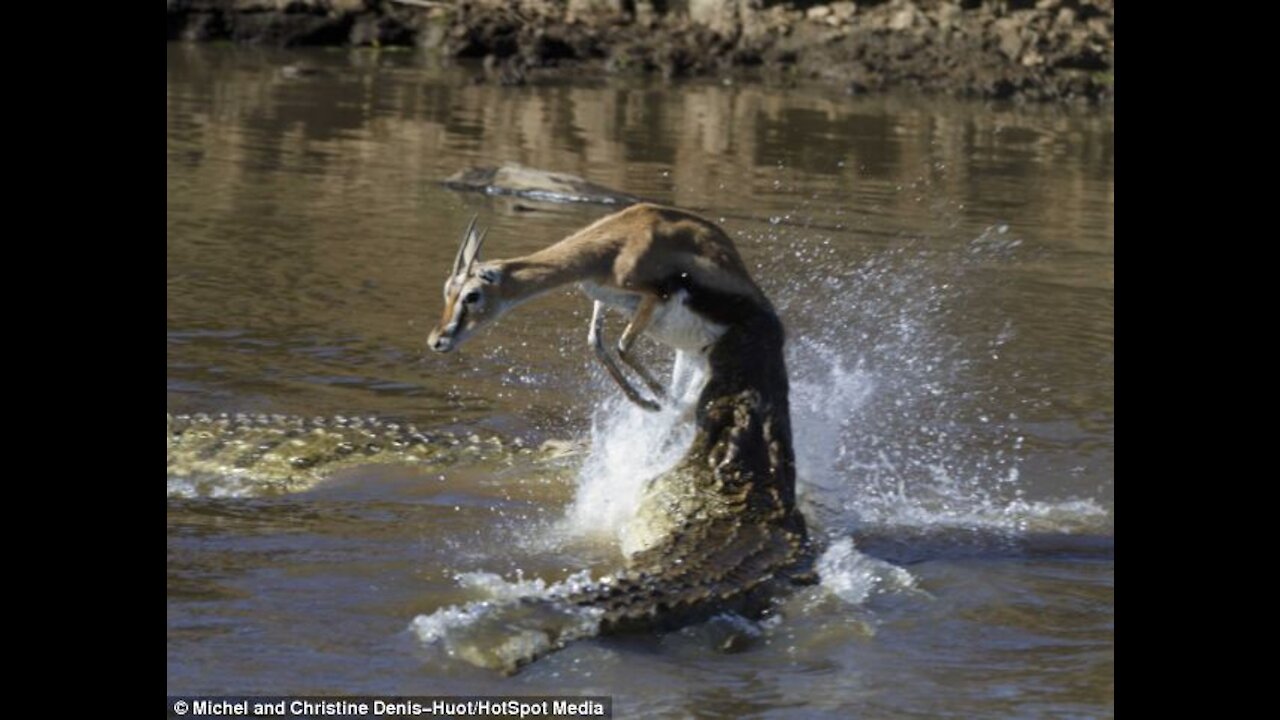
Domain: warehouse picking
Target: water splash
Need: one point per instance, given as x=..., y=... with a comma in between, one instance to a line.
x=629, y=447
x=891, y=397
x=515, y=621
x=854, y=577
x=891, y=427
x=892, y=442
x=230, y=484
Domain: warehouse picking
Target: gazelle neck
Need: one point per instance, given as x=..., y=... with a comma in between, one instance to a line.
x=529, y=276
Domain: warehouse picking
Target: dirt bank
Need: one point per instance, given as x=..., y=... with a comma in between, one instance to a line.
x=1022, y=49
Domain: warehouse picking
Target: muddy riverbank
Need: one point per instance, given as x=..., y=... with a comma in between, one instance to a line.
x=1045, y=50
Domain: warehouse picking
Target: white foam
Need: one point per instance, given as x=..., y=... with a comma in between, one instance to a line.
x=854, y=577
x=495, y=587
x=503, y=630
x=436, y=626
x=230, y=485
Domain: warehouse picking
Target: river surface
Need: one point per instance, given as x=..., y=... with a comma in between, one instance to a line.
x=945, y=273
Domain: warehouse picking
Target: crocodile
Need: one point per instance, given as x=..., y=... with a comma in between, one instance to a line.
x=283, y=453
x=720, y=532
x=534, y=184
x=547, y=187
x=727, y=532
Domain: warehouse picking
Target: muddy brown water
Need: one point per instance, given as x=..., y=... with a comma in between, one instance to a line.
x=945, y=272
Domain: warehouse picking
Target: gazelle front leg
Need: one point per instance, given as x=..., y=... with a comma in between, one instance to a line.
x=640, y=321
x=596, y=338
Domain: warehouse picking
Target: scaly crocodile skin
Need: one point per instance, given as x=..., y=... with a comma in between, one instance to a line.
x=287, y=453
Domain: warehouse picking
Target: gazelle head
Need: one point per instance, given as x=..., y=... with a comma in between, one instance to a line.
x=470, y=294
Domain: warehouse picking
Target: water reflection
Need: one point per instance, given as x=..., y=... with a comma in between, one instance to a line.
x=371, y=112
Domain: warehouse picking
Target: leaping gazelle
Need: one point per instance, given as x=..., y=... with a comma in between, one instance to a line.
x=676, y=275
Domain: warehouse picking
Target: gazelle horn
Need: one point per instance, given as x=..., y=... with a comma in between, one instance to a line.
x=475, y=249
x=462, y=248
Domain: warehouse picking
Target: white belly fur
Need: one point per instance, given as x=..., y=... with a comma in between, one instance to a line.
x=673, y=323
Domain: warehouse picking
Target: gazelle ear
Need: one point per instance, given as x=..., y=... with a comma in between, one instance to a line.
x=461, y=258
x=490, y=276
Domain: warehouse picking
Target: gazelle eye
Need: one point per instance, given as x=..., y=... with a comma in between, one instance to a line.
x=472, y=297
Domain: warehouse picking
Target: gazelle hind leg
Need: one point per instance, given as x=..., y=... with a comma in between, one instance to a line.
x=640, y=321
x=596, y=338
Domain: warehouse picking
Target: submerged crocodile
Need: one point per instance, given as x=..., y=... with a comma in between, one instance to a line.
x=721, y=531
x=282, y=453
x=534, y=184
x=546, y=186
